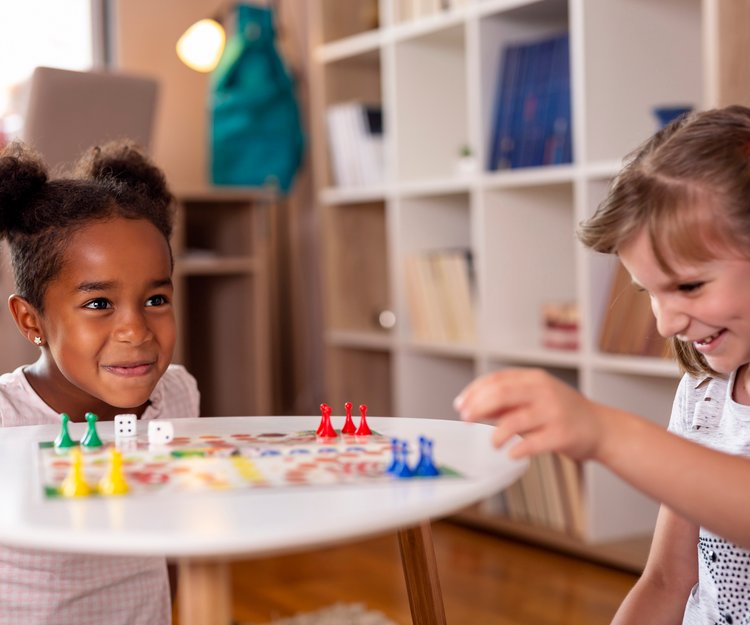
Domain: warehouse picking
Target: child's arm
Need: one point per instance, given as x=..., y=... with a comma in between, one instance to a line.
x=660, y=595
x=551, y=416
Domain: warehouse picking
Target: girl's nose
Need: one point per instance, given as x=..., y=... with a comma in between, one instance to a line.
x=132, y=328
x=670, y=320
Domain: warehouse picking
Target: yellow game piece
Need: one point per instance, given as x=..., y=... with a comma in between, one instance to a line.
x=74, y=485
x=113, y=482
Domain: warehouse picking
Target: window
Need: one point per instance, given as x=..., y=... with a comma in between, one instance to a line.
x=40, y=32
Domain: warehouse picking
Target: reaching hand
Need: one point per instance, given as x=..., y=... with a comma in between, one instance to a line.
x=548, y=414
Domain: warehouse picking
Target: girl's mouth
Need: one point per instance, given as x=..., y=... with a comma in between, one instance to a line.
x=705, y=342
x=133, y=370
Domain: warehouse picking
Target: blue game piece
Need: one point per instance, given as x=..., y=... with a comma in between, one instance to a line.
x=425, y=466
x=394, y=456
x=402, y=470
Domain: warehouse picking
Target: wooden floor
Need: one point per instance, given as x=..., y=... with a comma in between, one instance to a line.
x=485, y=580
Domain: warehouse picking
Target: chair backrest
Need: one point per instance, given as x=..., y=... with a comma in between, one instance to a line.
x=69, y=111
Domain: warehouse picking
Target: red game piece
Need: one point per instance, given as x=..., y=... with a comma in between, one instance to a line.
x=325, y=429
x=363, y=429
x=349, y=427
x=325, y=411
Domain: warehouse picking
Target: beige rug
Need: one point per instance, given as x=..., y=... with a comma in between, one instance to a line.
x=338, y=614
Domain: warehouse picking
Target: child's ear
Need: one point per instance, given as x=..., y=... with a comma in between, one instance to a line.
x=27, y=319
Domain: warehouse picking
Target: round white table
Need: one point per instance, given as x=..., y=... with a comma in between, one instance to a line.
x=202, y=530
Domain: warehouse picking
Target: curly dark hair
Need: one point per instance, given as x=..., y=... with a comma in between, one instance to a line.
x=38, y=214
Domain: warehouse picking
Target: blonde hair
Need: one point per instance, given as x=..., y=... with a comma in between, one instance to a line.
x=689, y=187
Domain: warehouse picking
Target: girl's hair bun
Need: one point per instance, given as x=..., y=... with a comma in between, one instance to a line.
x=23, y=175
x=124, y=163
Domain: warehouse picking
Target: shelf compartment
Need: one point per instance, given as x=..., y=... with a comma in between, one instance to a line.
x=229, y=386
x=434, y=222
x=354, y=78
x=430, y=94
x=526, y=22
x=437, y=295
x=361, y=376
x=626, y=40
x=356, y=257
x=350, y=85
x=213, y=230
x=340, y=20
x=528, y=248
x=444, y=376
x=615, y=510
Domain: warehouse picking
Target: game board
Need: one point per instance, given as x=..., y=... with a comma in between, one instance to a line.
x=230, y=461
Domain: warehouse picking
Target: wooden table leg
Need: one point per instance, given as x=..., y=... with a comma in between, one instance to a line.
x=420, y=571
x=204, y=594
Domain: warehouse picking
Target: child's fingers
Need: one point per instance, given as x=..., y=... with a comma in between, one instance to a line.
x=496, y=393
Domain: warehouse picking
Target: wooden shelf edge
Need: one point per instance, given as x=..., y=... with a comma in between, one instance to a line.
x=629, y=555
x=215, y=266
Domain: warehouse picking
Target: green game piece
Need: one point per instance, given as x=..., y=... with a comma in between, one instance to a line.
x=91, y=439
x=63, y=438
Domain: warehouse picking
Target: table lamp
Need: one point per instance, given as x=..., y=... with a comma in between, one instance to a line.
x=201, y=45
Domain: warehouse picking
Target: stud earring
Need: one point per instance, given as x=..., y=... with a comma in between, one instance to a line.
x=37, y=340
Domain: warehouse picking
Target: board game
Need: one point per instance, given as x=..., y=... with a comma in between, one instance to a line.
x=228, y=461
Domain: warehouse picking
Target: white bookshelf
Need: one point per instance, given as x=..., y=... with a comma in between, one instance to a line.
x=435, y=77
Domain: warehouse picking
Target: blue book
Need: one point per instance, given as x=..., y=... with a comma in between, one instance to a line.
x=512, y=157
x=558, y=133
x=534, y=103
x=501, y=141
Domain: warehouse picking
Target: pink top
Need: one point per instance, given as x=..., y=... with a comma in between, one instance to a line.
x=41, y=588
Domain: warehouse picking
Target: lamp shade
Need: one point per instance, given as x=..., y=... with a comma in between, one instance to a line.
x=201, y=45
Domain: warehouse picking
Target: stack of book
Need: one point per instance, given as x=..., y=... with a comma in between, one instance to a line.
x=532, y=114
x=548, y=495
x=629, y=325
x=439, y=296
x=355, y=141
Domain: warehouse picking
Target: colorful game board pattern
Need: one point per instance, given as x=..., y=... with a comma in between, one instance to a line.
x=227, y=462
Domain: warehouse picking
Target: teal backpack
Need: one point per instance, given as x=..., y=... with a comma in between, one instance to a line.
x=256, y=134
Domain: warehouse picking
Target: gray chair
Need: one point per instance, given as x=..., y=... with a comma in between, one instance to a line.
x=69, y=111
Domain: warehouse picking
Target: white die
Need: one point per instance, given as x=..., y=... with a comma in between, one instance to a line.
x=125, y=426
x=160, y=432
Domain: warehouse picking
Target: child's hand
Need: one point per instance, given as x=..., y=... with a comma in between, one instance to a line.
x=548, y=414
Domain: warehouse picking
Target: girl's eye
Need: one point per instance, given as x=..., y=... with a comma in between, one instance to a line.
x=690, y=287
x=99, y=303
x=157, y=300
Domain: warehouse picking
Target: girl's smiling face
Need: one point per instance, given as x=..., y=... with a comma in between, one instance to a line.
x=108, y=321
x=706, y=302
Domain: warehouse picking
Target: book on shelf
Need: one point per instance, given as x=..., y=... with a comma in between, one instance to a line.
x=571, y=487
x=549, y=494
x=439, y=295
x=532, y=113
x=355, y=142
x=629, y=325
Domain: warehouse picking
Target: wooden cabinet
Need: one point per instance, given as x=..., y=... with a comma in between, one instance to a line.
x=223, y=249
x=435, y=76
